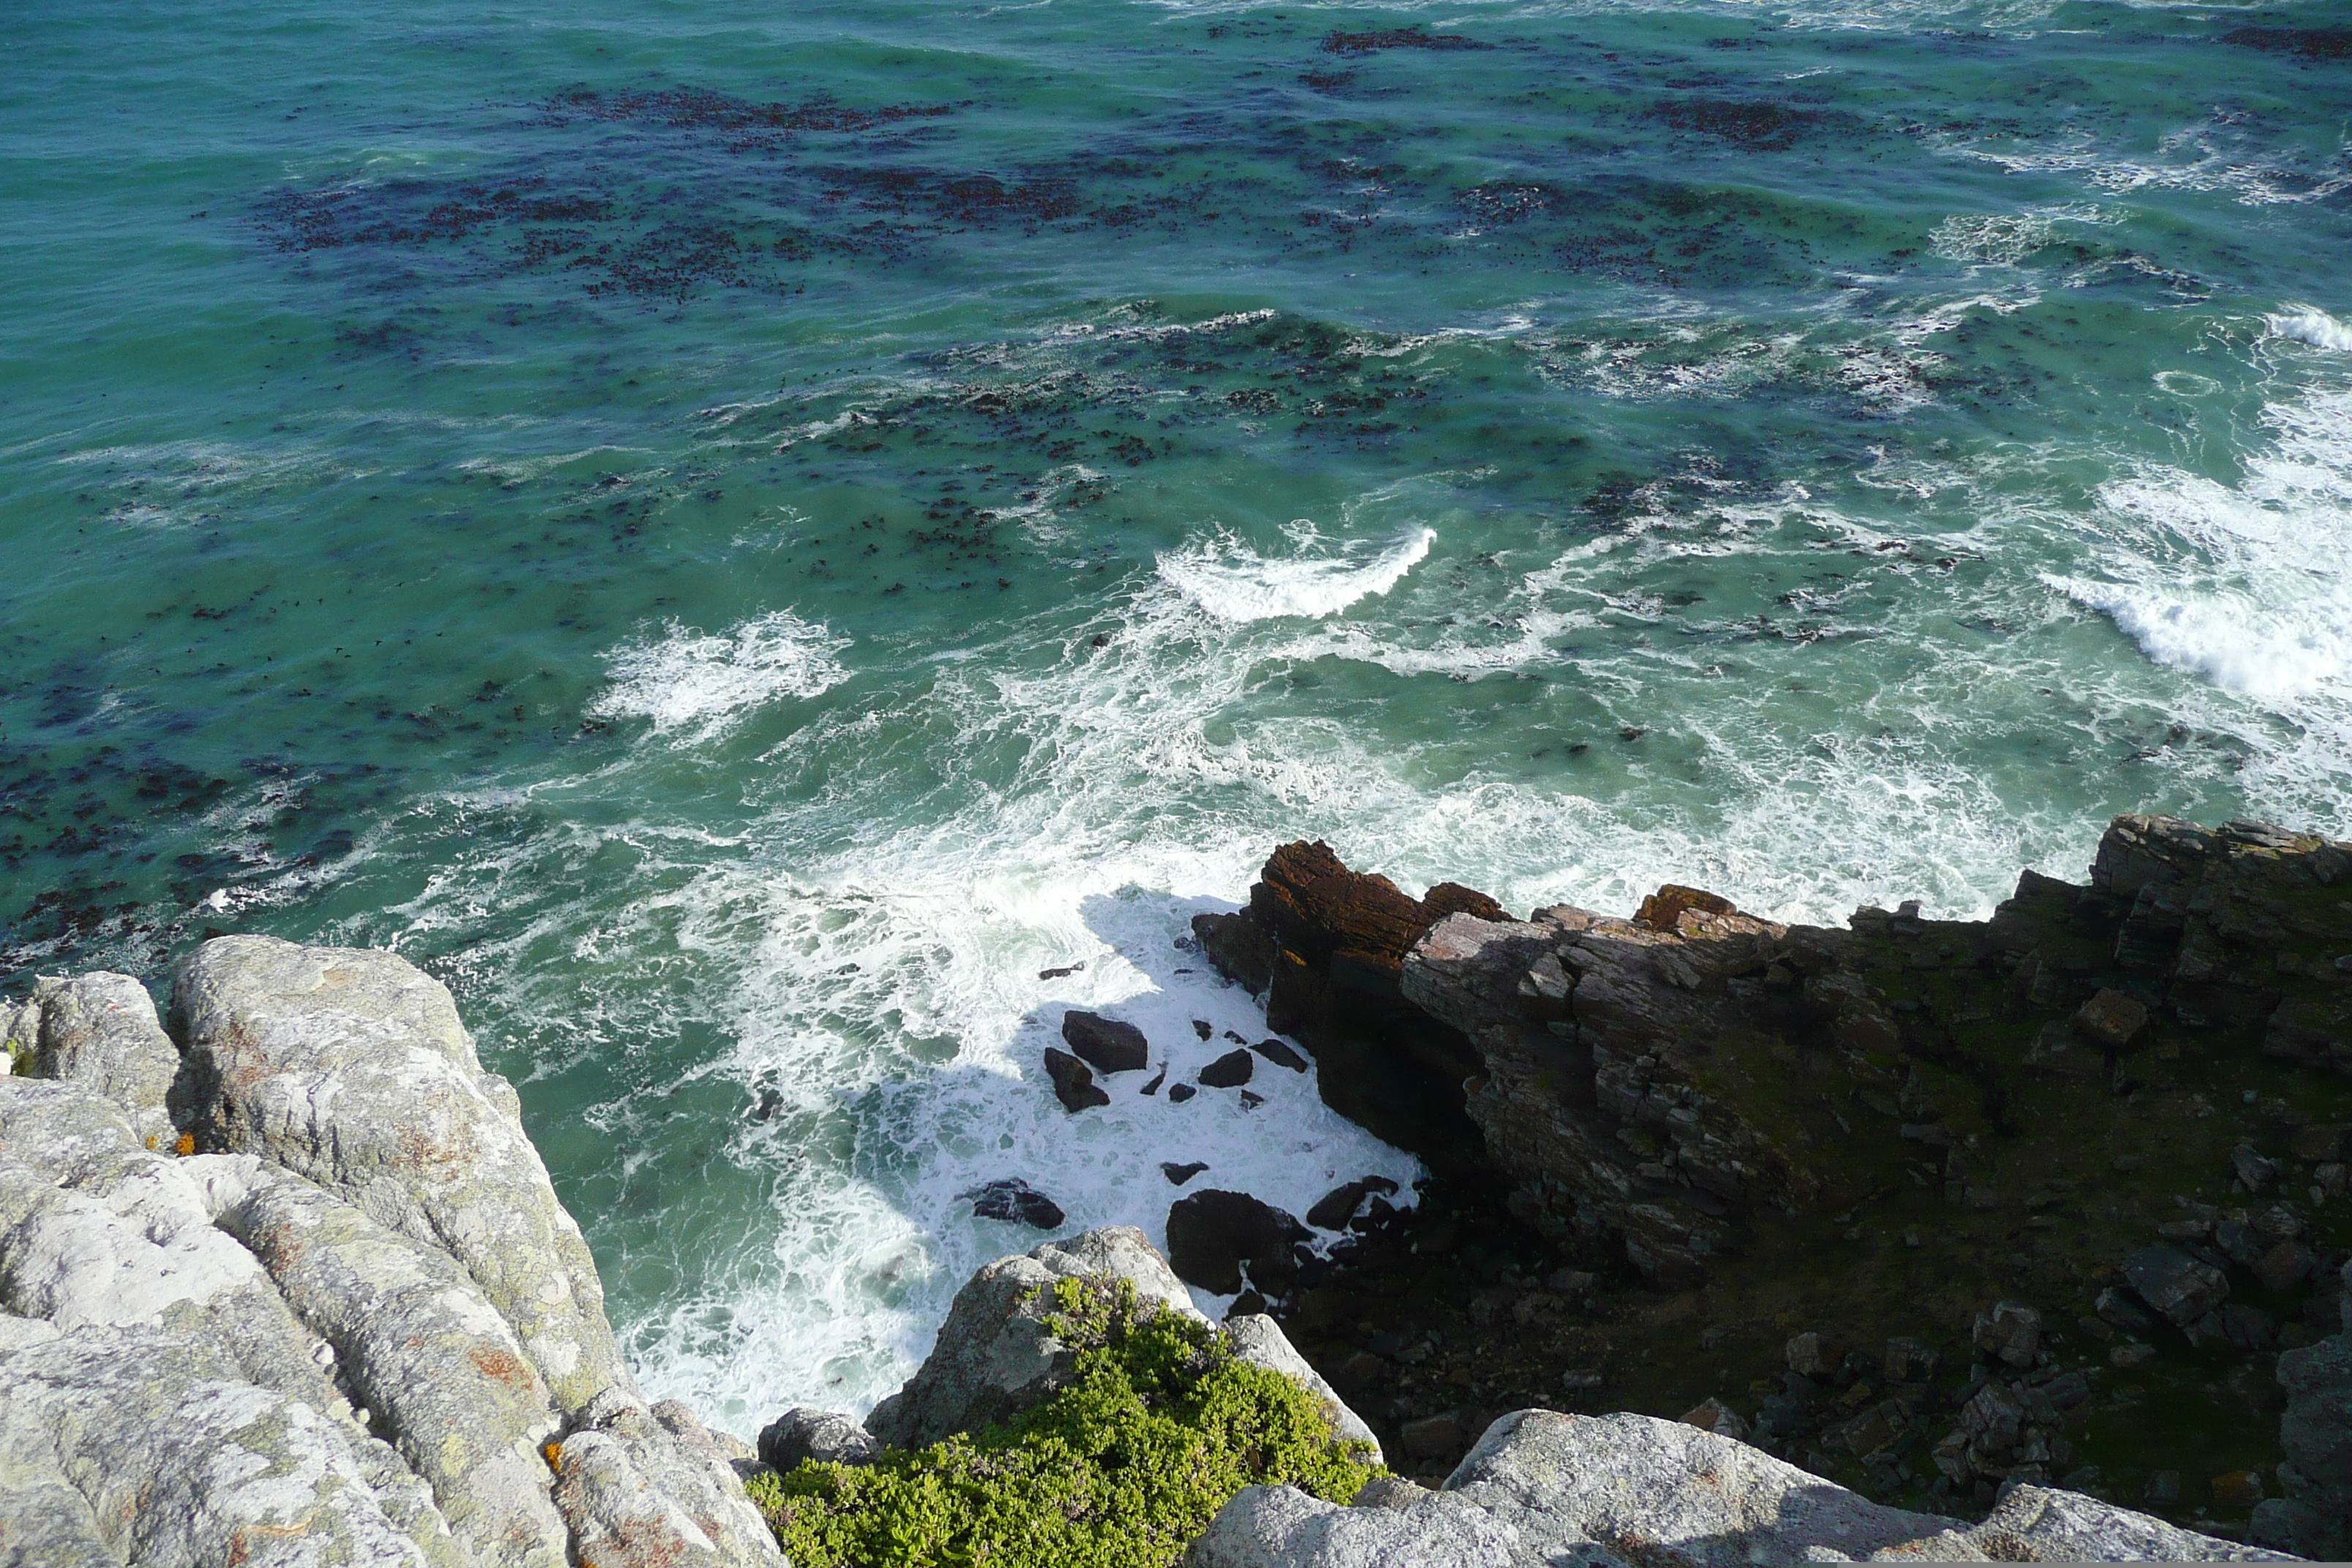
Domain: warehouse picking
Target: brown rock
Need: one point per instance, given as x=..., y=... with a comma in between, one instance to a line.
x=1715, y=1416
x=2237, y=1489
x=2111, y=1019
x=1074, y=1086
x=1662, y=910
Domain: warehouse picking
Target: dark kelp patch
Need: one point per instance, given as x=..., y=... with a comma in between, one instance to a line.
x=1368, y=43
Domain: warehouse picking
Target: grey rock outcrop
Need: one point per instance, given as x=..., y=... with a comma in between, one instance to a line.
x=995, y=1357
x=349, y=1067
x=97, y=1030
x=1543, y=1489
x=801, y=1435
x=357, y=1329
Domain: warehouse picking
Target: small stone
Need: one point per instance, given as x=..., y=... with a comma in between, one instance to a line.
x=2284, y=1267
x=1280, y=1055
x=1074, y=1086
x=1156, y=1079
x=1178, y=1093
x=1104, y=1044
x=1573, y=1283
x=1576, y=1382
x=1714, y=1415
x=1251, y=1101
x=2255, y=1172
x=1179, y=1175
x=2238, y=1490
x=1808, y=1355
x=2010, y=1333
x=1909, y=1359
x=2111, y=1019
x=2163, y=1486
x=1229, y=1071
x=2131, y=1354
x=1063, y=972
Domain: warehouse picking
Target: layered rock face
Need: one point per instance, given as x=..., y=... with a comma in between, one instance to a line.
x=296, y=1289
x=2117, y=1109
x=1542, y=1490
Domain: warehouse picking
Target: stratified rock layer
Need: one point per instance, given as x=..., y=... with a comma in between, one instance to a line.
x=358, y=1327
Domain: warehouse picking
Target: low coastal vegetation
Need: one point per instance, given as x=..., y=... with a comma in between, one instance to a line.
x=1160, y=1426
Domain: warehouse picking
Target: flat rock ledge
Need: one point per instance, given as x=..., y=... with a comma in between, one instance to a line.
x=1546, y=1491
x=288, y=1284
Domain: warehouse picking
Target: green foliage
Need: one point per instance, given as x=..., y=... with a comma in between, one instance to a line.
x=1160, y=1427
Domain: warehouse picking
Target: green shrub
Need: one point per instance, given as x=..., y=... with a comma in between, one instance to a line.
x=1160, y=1427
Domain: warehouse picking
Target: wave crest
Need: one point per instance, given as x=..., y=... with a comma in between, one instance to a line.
x=1234, y=582
x=704, y=684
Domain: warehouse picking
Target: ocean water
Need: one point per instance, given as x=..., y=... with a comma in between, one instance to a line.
x=742, y=537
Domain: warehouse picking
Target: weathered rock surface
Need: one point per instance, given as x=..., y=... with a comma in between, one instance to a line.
x=1105, y=1045
x=1541, y=1489
x=97, y=1030
x=825, y=1436
x=995, y=1357
x=337, y=1335
x=351, y=1067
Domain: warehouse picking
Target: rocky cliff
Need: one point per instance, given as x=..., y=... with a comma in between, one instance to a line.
x=2099, y=1137
x=288, y=1284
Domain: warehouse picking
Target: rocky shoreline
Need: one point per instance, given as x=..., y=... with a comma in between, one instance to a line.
x=1897, y=1227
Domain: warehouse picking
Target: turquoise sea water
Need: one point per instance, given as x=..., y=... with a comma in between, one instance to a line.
x=740, y=535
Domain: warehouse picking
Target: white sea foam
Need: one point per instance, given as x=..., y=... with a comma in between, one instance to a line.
x=1236, y=583
x=704, y=684
x=2309, y=325
x=2246, y=583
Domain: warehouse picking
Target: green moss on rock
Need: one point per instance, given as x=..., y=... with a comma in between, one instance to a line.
x=1160, y=1427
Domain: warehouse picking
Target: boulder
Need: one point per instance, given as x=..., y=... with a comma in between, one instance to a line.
x=644, y=1486
x=2183, y=1289
x=1335, y=1208
x=1229, y=1071
x=1010, y=1198
x=1282, y=1527
x=1213, y=1235
x=1106, y=1045
x=2011, y=1333
x=2111, y=1019
x=2038, y=1524
x=1073, y=1083
x=98, y=1032
x=1280, y=1055
x=822, y=1437
x=994, y=1357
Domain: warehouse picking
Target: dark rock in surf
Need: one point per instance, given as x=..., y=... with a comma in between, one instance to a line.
x=1179, y=1093
x=1214, y=1235
x=1014, y=1199
x=1280, y=1055
x=1179, y=1174
x=1106, y=1045
x=1335, y=1208
x=1229, y=1071
x=1074, y=1086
